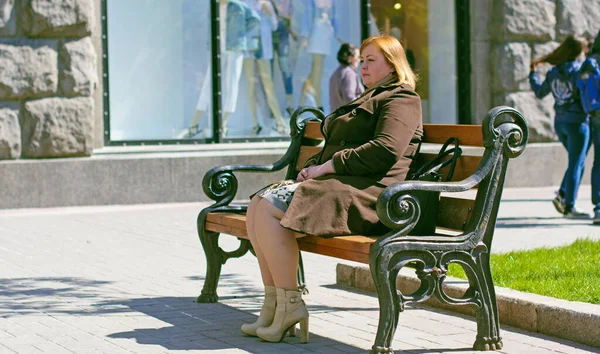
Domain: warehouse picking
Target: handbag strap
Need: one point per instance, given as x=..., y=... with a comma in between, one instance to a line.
x=438, y=162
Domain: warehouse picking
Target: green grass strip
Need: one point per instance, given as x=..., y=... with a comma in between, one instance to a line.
x=568, y=272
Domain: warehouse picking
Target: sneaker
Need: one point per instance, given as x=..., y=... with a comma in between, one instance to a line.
x=559, y=204
x=596, y=220
x=575, y=213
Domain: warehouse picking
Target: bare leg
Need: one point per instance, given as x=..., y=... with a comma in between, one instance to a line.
x=312, y=85
x=193, y=129
x=278, y=245
x=250, y=227
x=224, y=123
x=250, y=72
x=264, y=69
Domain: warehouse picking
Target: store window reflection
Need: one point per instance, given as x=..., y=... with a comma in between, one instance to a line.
x=158, y=52
x=275, y=55
x=288, y=60
x=426, y=29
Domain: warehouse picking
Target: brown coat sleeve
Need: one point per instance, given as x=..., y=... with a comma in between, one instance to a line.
x=399, y=115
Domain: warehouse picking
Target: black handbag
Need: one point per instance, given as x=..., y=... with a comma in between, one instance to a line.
x=430, y=171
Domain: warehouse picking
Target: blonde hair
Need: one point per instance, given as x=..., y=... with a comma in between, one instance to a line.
x=395, y=56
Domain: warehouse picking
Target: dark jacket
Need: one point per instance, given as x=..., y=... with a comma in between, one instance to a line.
x=561, y=81
x=371, y=141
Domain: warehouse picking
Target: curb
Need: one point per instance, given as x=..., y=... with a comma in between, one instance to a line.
x=576, y=321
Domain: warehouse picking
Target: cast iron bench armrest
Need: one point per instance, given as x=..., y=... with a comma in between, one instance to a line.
x=220, y=183
x=399, y=209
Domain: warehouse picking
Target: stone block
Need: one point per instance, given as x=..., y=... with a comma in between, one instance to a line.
x=570, y=320
x=57, y=18
x=344, y=274
x=363, y=279
x=579, y=17
x=8, y=19
x=539, y=114
x=78, y=74
x=10, y=134
x=28, y=72
x=510, y=67
x=58, y=127
x=517, y=312
x=524, y=20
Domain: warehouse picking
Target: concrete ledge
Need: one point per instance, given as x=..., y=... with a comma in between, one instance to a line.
x=576, y=321
x=173, y=174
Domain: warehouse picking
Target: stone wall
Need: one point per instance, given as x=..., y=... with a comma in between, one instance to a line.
x=521, y=30
x=48, y=76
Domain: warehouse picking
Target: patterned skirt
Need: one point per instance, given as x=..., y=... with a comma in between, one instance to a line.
x=280, y=193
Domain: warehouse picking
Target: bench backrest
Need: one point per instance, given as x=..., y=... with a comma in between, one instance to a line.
x=453, y=212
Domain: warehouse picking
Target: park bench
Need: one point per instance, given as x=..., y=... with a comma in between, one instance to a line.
x=464, y=228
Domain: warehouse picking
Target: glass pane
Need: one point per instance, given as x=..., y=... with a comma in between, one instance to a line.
x=284, y=60
x=158, y=57
x=427, y=30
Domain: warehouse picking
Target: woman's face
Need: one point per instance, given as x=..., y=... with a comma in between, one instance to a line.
x=374, y=67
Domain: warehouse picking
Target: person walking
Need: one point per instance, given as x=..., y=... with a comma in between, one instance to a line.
x=571, y=124
x=588, y=84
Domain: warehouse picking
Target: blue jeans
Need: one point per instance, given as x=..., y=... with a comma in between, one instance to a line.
x=595, y=133
x=575, y=137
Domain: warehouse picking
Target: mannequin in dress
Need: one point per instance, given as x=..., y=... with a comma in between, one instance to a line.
x=236, y=19
x=318, y=32
x=261, y=59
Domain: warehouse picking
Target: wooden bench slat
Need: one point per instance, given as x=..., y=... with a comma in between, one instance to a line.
x=454, y=213
x=467, y=134
x=313, y=131
x=306, y=152
x=354, y=248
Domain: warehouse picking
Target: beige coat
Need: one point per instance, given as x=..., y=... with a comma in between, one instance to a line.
x=371, y=142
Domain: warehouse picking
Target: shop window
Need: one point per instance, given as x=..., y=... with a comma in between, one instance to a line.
x=275, y=55
x=427, y=30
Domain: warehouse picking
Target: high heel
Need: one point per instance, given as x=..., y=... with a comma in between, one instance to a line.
x=267, y=313
x=290, y=310
x=280, y=128
x=256, y=129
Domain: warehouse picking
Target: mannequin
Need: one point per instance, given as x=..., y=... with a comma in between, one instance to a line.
x=261, y=58
x=318, y=32
x=232, y=45
x=281, y=44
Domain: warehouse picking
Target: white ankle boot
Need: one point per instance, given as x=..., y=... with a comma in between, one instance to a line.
x=266, y=313
x=290, y=310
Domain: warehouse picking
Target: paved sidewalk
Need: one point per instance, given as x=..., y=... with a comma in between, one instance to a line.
x=123, y=279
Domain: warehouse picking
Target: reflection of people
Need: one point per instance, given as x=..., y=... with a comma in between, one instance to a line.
x=318, y=31
x=570, y=123
x=236, y=20
x=337, y=192
x=344, y=84
x=261, y=57
x=281, y=44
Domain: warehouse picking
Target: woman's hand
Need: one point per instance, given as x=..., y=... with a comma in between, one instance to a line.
x=316, y=171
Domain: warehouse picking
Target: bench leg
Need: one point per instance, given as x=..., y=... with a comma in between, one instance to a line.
x=390, y=306
x=488, y=327
x=214, y=262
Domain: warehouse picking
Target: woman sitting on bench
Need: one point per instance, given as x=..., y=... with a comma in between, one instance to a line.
x=369, y=144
